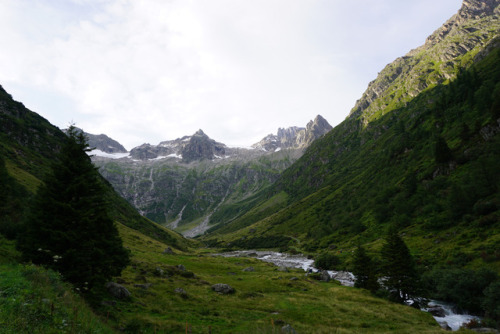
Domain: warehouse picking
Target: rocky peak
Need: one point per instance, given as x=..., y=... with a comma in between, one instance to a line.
x=200, y=133
x=469, y=32
x=102, y=142
x=294, y=137
x=200, y=147
x=470, y=10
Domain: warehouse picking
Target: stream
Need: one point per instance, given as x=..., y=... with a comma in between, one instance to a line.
x=447, y=317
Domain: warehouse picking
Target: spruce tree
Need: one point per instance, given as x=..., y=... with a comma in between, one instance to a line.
x=398, y=269
x=442, y=153
x=364, y=270
x=68, y=228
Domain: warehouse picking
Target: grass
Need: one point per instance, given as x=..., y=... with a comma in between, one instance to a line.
x=265, y=299
x=34, y=300
x=28, y=181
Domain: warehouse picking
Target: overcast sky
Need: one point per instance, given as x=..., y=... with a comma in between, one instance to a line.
x=153, y=70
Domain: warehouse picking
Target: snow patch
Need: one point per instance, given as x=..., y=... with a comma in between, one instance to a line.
x=99, y=153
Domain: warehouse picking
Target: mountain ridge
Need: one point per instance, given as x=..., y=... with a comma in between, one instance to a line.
x=200, y=146
x=423, y=162
x=181, y=183
x=436, y=61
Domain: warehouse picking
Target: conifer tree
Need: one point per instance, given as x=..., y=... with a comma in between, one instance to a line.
x=401, y=277
x=68, y=228
x=364, y=270
x=442, y=153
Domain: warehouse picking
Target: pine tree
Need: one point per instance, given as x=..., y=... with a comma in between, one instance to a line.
x=69, y=229
x=364, y=270
x=401, y=277
x=442, y=153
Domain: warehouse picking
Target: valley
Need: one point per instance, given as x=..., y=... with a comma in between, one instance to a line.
x=400, y=200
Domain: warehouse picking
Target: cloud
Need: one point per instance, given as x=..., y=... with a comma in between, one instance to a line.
x=152, y=70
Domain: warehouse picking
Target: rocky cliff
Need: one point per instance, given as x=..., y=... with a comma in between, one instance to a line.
x=105, y=144
x=294, y=137
x=453, y=46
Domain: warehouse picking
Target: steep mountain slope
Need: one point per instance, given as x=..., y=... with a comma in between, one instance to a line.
x=424, y=160
x=451, y=47
x=183, y=182
x=28, y=143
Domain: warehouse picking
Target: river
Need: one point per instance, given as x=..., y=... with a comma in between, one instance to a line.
x=452, y=319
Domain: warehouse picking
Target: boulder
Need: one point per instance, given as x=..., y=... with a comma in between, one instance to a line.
x=181, y=292
x=168, y=251
x=249, y=269
x=181, y=267
x=444, y=325
x=325, y=276
x=117, y=290
x=437, y=311
x=223, y=288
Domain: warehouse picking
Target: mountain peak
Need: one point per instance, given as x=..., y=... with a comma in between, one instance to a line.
x=294, y=137
x=200, y=133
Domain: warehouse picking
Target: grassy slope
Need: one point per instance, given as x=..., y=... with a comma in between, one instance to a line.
x=352, y=184
x=263, y=297
x=36, y=301
x=28, y=144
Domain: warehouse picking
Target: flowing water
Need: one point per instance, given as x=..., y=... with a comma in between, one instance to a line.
x=452, y=319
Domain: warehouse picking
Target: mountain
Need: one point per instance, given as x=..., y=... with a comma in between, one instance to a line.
x=464, y=38
x=188, y=148
x=28, y=145
x=294, y=137
x=104, y=144
x=419, y=152
x=183, y=183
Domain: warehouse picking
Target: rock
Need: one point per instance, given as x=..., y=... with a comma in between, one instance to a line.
x=117, y=290
x=436, y=311
x=159, y=272
x=294, y=137
x=223, y=288
x=253, y=254
x=168, y=251
x=181, y=292
x=325, y=276
x=444, y=325
x=249, y=269
x=143, y=286
x=288, y=329
x=181, y=267
x=283, y=269
x=294, y=279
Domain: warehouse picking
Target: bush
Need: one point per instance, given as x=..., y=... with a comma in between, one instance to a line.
x=463, y=287
x=326, y=261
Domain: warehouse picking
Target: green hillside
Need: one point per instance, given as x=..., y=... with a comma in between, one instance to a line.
x=28, y=143
x=429, y=168
x=419, y=153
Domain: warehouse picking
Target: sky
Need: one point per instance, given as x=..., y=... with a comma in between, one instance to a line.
x=145, y=71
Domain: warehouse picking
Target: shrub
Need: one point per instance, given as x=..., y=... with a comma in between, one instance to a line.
x=326, y=261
